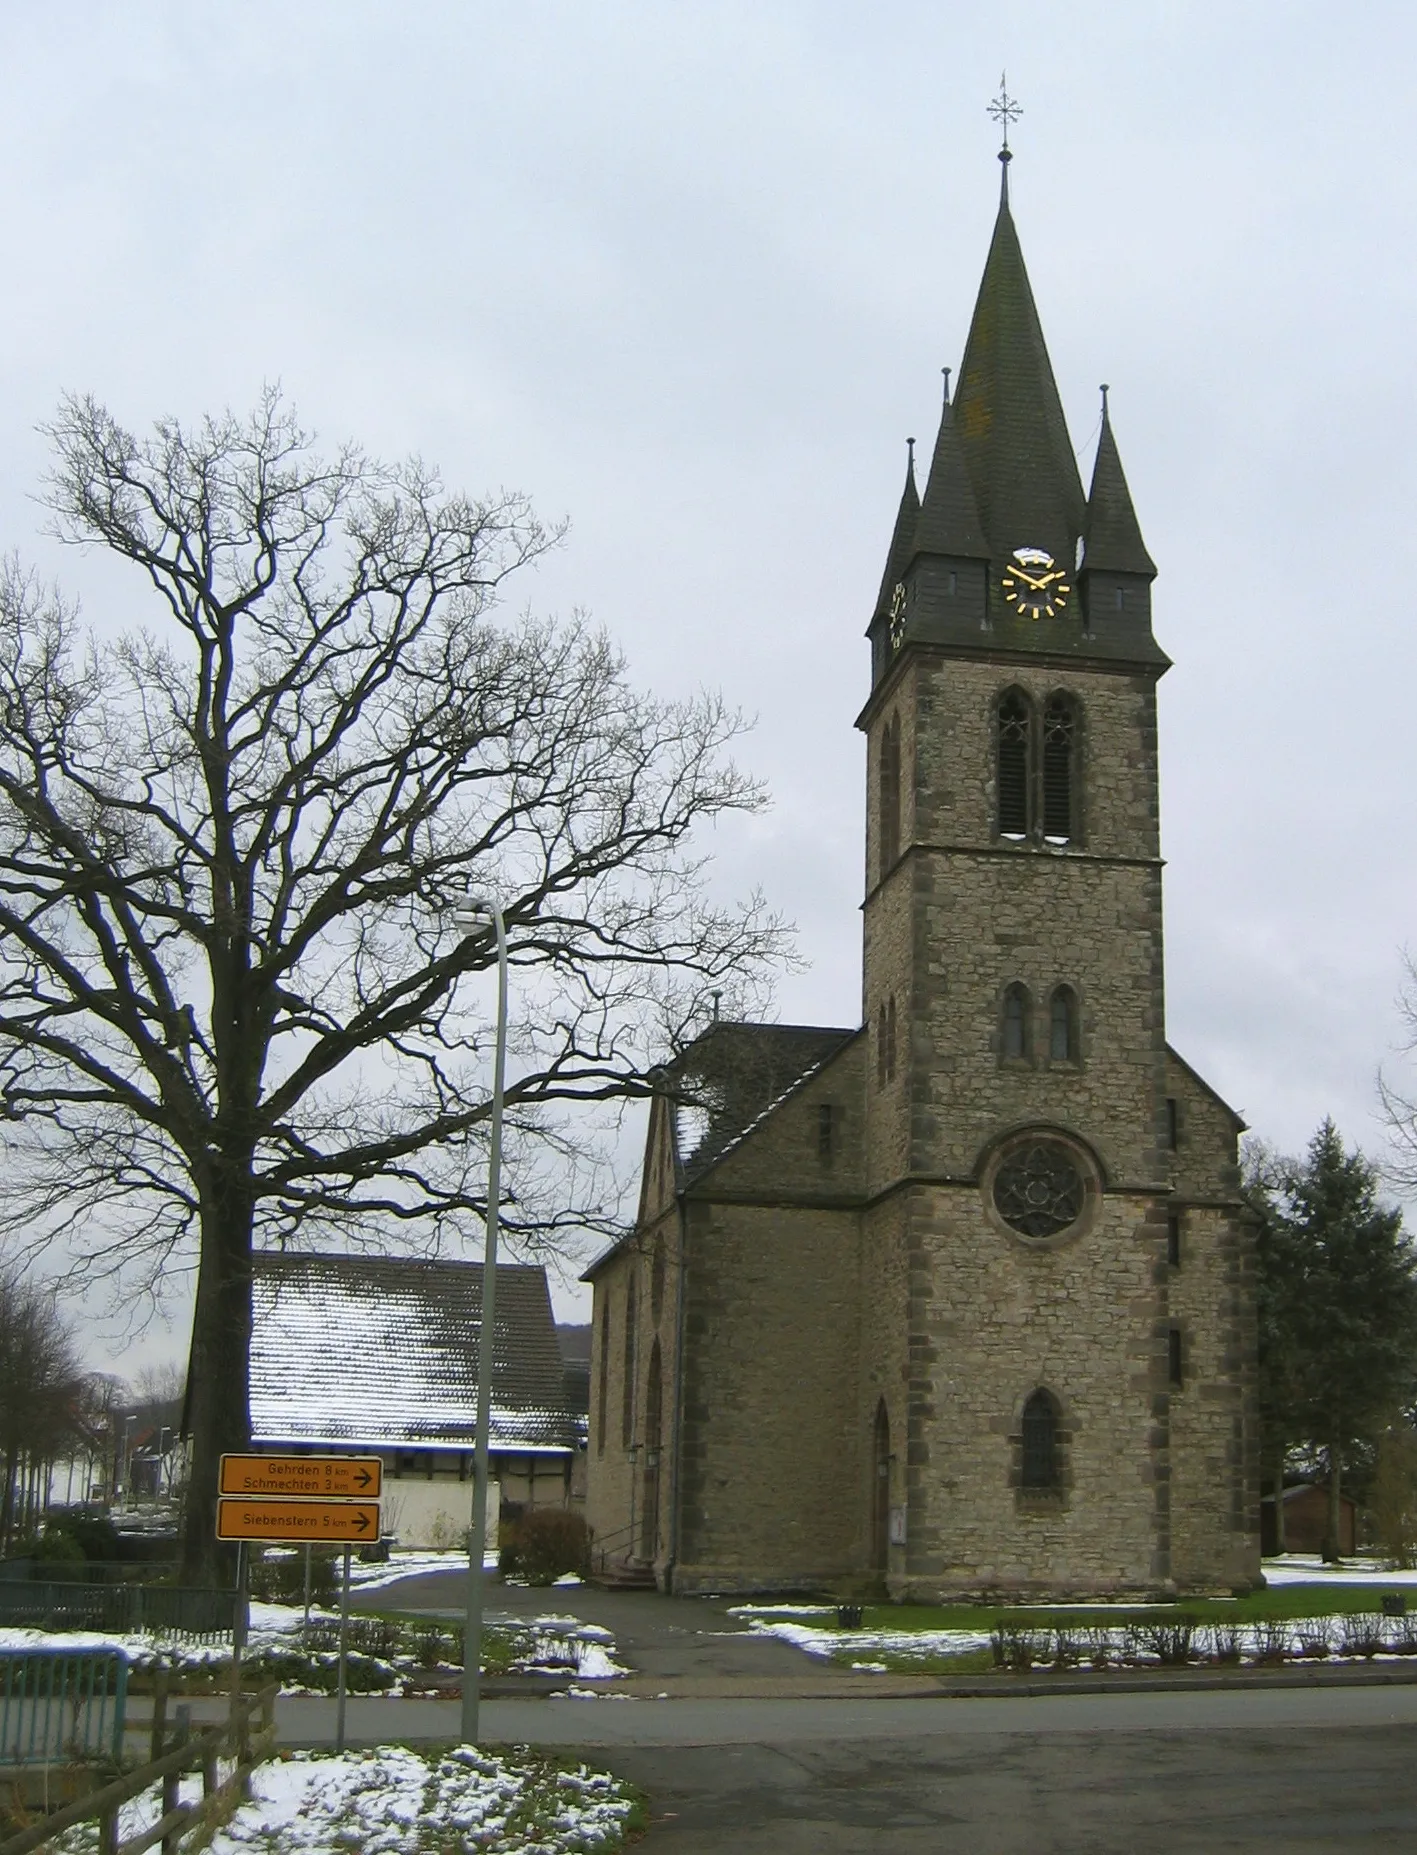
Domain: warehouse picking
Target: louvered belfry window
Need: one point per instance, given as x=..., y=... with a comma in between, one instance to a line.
x=1059, y=754
x=1015, y=732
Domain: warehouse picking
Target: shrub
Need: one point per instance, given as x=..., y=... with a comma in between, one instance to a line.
x=1226, y=1642
x=1362, y=1635
x=93, y=1533
x=1018, y=1648
x=279, y=1578
x=55, y=1547
x=1102, y=1649
x=544, y=1543
x=1315, y=1637
x=1171, y=1641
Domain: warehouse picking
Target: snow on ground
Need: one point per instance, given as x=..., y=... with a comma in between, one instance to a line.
x=394, y=1801
x=1308, y=1568
x=827, y=1642
x=547, y=1644
x=374, y=1575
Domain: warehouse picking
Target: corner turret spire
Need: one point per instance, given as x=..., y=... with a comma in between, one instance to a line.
x=949, y=518
x=1112, y=540
x=902, y=546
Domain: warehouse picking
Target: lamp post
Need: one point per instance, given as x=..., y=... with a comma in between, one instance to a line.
x=471, y=913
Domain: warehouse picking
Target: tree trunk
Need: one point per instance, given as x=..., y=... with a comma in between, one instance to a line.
x=1279, y=1502
x=219, y=1370
x=1333, y=1536
x=7, y=1496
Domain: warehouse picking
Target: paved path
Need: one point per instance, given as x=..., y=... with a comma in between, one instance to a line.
x=665, y=1640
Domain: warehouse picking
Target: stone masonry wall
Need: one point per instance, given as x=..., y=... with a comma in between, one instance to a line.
x=996, y=1319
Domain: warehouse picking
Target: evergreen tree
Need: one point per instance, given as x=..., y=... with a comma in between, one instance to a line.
x=1338, y=1308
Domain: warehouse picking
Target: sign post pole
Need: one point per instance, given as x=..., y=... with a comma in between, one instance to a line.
x=343, y=1656
x=478, y=912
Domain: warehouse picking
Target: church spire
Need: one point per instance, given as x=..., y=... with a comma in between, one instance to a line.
x=1112, y=537
x=1012, y=432
x=902, y=547
x=949, y=519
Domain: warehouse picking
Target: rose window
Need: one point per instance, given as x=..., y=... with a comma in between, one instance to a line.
x=1038, y=1189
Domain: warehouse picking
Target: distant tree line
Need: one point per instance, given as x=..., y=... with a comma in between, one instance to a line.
x=1337, y=1308
x=43, y=1394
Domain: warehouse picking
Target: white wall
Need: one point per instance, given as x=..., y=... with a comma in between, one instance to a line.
x=435, y=1514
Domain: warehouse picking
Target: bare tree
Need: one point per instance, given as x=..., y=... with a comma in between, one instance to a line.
x=230, y=1006
x=40, y=1389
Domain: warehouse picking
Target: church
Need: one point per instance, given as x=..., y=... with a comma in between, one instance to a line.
x=958, y=1301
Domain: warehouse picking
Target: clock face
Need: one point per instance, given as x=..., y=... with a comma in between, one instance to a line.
x=898, y=601
x=1035, y=584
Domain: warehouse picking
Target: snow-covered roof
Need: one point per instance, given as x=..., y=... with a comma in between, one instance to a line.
x=380, y=1352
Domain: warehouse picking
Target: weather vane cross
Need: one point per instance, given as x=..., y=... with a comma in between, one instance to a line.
x=1004, y=109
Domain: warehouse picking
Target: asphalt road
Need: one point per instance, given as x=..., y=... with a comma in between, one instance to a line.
x=1324, y=1770
x=1315, y=1770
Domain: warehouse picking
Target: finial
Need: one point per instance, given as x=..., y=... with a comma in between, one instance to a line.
x=715, y=996
x=947, y=371
x=1005, y=110
x=910, y=448
x=1105, y=390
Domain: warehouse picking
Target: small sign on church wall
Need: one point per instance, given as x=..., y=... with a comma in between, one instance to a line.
x=897, y=1526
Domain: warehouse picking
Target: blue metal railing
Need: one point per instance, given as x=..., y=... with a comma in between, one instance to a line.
x=61, y=1704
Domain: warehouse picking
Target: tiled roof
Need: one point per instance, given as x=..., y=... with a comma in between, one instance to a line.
x=381, y=1352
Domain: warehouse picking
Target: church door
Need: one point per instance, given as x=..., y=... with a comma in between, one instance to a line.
x=881, y=1490
x=649, y=1511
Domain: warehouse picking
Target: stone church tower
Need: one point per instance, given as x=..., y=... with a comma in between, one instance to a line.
x=958, y=1301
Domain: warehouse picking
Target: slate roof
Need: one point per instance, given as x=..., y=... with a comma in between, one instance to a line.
x=380, y=1352
x=725, y=1083
x=949, y=517
x=902, y=545
x=733, y=1075
x=1009, y=417
x=1112, y=539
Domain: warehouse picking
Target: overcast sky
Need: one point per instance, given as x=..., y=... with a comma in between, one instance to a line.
x=687, y=274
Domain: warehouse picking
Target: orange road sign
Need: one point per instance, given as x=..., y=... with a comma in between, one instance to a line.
x=357, y=1478
x=252, y=1517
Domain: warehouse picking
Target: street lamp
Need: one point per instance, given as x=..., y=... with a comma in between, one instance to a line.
x=474, y=912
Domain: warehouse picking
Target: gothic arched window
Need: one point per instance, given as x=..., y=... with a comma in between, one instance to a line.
x=1063, y=1025
x=1014, y=771
x=656, y=1281
x=889, y=793
x=1015, y=1043
x=627, y=1399
x=1060, y=743
x=1040, y=1467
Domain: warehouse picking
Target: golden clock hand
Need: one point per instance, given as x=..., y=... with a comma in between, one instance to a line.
x=1028, y=579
